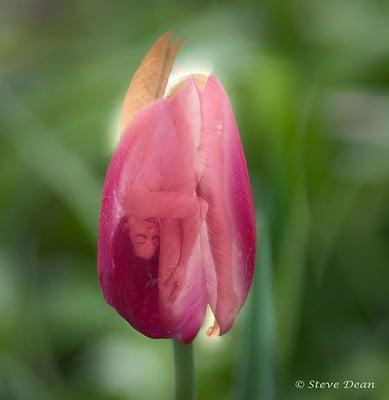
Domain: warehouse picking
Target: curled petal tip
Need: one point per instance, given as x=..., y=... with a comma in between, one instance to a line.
x=213, y=331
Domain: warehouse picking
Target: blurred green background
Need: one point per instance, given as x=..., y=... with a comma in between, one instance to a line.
x=309, y=81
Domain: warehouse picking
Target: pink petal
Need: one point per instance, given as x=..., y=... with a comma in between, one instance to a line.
x=230, y=234
x=152, y=176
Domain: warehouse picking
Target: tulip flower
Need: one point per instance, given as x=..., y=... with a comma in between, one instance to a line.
x=177, y=223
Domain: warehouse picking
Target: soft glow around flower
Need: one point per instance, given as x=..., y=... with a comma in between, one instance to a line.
x=188, y=66
x=113, y=129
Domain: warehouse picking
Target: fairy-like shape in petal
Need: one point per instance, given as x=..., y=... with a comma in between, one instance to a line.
x=177, y=223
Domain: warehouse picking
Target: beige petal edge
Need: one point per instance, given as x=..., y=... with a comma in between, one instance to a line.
x=150, y=79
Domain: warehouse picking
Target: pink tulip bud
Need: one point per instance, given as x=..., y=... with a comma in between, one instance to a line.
x=177, y=222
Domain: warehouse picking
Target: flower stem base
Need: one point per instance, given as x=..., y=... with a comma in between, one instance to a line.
x=184, y=371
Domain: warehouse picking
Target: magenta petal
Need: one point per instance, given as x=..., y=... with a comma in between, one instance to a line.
x=230, y=219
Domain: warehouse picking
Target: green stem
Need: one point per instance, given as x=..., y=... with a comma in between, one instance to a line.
x=184, y=371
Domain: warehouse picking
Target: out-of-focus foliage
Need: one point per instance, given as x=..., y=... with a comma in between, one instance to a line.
x=309, y=81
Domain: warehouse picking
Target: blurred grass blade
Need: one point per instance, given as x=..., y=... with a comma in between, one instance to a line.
x=256, y=373
x=291, y=275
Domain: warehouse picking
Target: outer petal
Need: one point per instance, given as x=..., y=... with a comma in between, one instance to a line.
x=229, y=237
x=153, y=171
